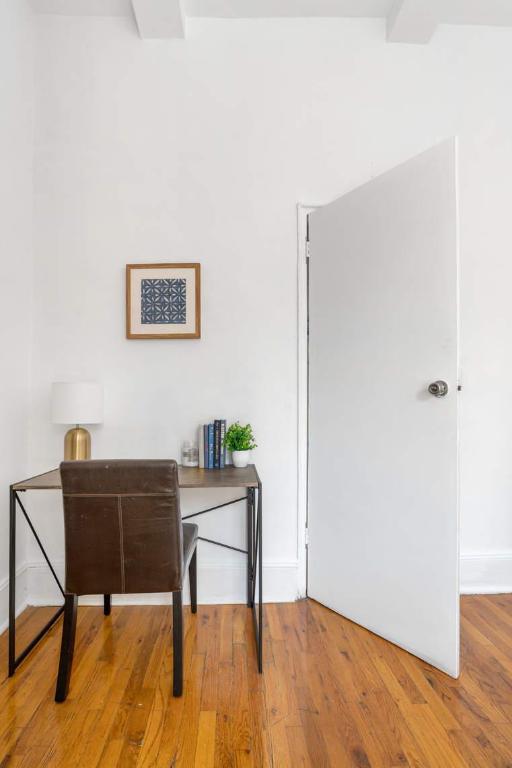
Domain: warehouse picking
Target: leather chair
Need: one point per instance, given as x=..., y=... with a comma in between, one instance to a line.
x=124, y=535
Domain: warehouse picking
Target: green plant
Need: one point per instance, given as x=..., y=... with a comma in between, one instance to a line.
x=239, y=438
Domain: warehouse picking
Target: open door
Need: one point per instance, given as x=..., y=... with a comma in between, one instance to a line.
x=383, y=464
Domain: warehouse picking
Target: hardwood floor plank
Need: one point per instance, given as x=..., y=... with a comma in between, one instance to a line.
x=226, y=636
x=279, y=746
x=275, y=629
x=258, y=707
x=209, y=643
x=224, y=755
x=205, y=747
x=240, y=732
x=187, y=742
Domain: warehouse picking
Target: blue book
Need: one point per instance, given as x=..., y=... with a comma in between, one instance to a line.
x=222, y=448
x=216, y=444
x=210, y=446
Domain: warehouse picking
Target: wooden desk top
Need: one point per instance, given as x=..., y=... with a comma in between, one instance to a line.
x=229, y=477
x=189, y=477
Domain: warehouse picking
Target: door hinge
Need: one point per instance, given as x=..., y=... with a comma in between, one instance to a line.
x=306, y=537
x=308, y=252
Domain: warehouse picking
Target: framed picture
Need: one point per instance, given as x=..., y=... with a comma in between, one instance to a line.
x=163, y=301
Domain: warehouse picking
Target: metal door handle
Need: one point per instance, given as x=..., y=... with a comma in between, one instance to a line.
x=438, y=388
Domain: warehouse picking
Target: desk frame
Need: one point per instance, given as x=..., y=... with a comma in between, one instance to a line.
x=189, y=478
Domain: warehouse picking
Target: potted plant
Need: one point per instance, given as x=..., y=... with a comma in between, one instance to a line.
x=240, y=441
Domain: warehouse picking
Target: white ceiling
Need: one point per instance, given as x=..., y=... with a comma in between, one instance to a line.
x=83, y=7
x=408, y=20
x=233, y=9
x=494, y=13
x=491, y=12
x=228, y=9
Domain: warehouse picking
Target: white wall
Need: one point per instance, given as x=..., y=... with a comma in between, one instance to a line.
x=199, y=150
x=16, y=145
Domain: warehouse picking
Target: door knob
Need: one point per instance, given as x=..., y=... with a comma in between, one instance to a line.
x=438, y=388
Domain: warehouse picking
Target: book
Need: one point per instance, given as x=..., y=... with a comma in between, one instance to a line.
x=201, y=447
x=205, y=445
x=222, y=463
x=216, y=444
x=210, y=446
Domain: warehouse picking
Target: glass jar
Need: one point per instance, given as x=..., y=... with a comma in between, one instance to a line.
x=189, y=454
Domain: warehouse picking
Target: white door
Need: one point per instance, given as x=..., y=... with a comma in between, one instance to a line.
x=383, y=475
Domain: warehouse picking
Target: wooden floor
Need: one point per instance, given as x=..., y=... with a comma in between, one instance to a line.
x=332, y=694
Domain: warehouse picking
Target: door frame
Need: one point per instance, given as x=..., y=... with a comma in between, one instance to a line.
x=302, y=395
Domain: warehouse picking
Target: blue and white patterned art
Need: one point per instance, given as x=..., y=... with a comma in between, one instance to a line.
x=163, y=301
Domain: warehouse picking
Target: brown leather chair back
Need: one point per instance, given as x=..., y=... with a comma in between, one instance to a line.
x=122, y=526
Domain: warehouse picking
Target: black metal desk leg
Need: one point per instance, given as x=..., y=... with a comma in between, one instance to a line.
x=260, y=575
x=15, y=661
x=12, y=581
x=250, y=560
x=257, y=605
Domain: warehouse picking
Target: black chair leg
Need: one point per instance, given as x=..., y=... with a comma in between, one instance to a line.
x=177, y=643
x=107, y=604
x=192, y=573
x=67, y=647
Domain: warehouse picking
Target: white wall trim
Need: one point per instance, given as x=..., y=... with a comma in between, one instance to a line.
x=485, y=573
x=480, y=573
x=302, y=394
x=217, y=584
x=21, y=595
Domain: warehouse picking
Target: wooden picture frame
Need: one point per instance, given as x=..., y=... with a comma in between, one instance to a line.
x=163, y=301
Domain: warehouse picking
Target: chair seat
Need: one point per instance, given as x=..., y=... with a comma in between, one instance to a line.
x=190, y=532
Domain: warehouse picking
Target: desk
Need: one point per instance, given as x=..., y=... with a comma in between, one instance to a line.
x=189, y=477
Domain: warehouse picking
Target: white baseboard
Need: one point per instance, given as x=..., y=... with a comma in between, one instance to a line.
x=480, y=573
x=486, y=573
x=21, y=595
x=217, y=583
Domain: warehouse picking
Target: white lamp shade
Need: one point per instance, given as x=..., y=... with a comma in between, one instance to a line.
x=77, y=402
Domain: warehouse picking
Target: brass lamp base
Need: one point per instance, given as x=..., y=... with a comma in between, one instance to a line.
x=77, y=444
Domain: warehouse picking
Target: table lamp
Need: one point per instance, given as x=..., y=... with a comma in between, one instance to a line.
x=77, y=402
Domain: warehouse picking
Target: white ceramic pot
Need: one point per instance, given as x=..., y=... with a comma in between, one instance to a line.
x=241, y=458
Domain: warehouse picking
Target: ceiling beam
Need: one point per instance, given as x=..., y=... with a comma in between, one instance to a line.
x=412, y=21
x=159, y=19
